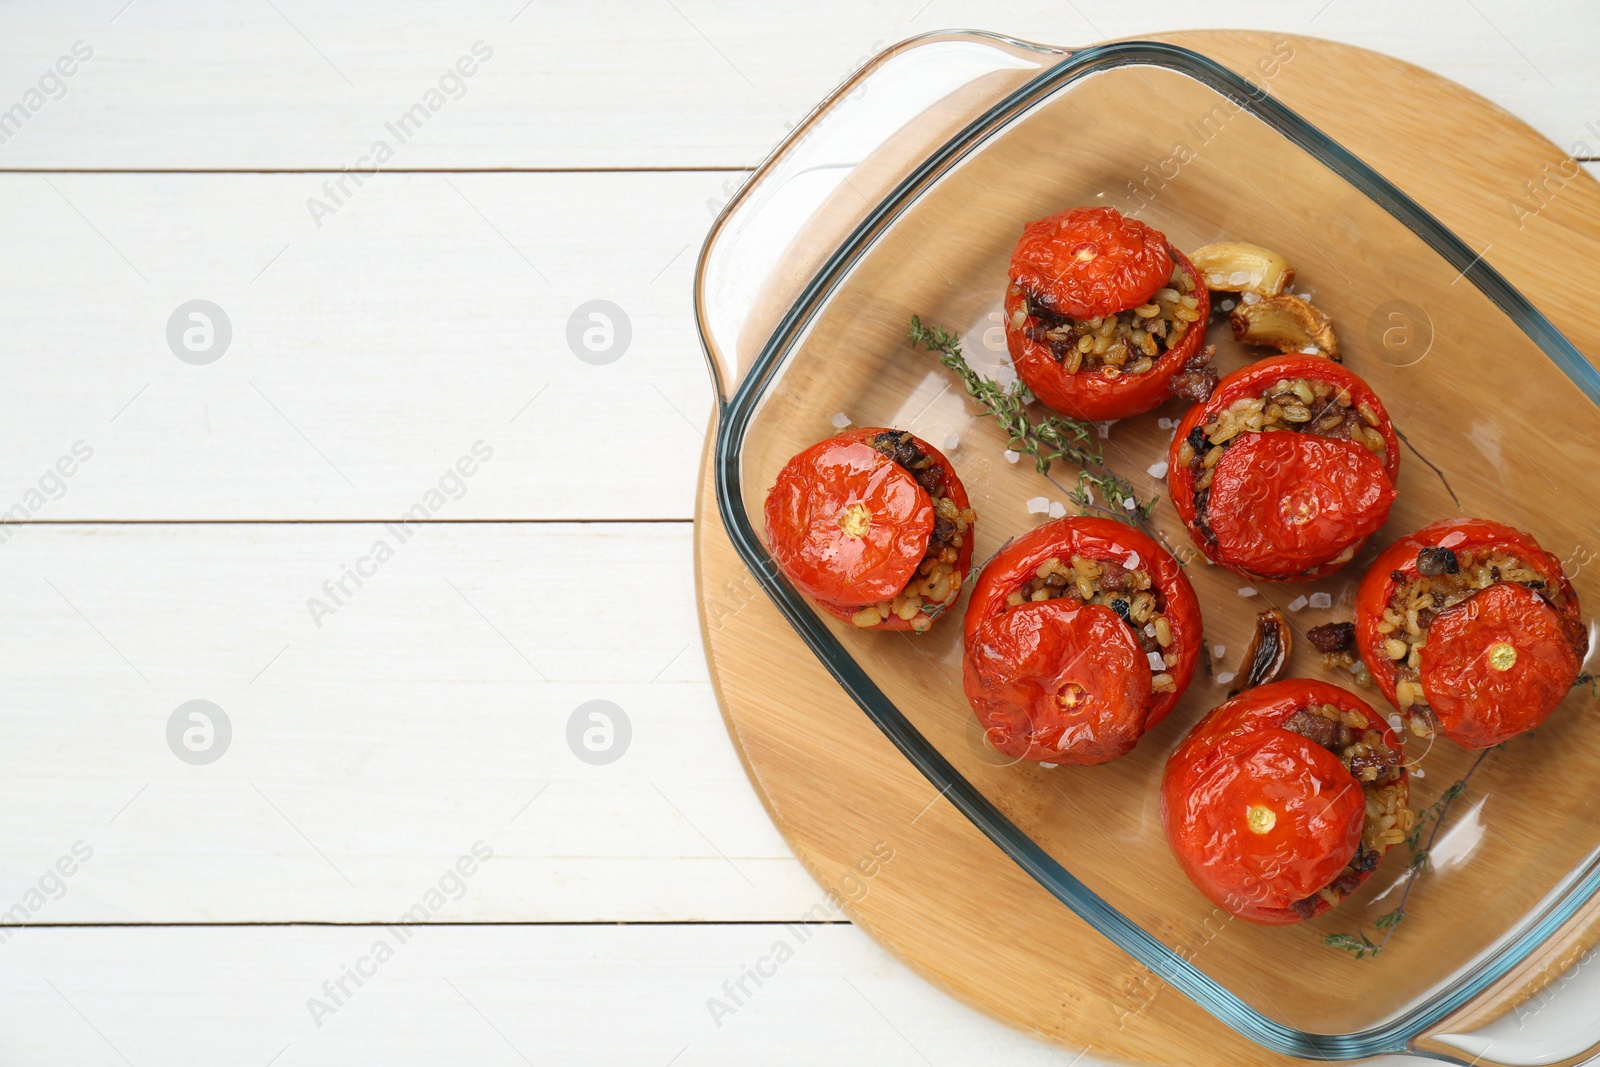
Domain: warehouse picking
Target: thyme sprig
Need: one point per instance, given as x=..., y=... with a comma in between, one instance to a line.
x=1047, y=439
x=1359, y=944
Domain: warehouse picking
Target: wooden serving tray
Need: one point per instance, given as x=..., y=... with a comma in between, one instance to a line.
x=948, y=903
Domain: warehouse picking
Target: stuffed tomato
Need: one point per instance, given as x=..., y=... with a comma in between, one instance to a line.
x=1282, y=801
x=874, y=526
x=1081, y=634
x=1286, y=471
x=1470, y=628
x=1104, y=318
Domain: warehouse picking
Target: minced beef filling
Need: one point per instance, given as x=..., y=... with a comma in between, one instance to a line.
x=1297, y=405
x=1337, y=643
x=1350, y=737
x=1444, y=579
x=1128, y=342
x=937, y=582
x=1128, y=591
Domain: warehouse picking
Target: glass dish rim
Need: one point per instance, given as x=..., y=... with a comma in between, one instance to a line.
x=736, y=413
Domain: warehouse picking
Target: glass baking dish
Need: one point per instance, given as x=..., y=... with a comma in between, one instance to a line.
x=902, y=195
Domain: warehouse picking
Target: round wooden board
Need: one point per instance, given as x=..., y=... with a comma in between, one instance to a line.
x=948, y=903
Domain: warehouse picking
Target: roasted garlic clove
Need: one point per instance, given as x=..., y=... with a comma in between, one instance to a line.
x=1237, y=267
x=1285, y=322
x=1268, y=654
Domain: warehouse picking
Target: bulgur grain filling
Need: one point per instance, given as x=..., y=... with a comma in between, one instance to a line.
x=937, y=581
x=1444, y=579
x=1127, y=591
x=1295, y=405
x=1349, y=736
x=1128, y=342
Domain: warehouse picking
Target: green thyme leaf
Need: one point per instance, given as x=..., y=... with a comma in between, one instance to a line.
x=1046, y=440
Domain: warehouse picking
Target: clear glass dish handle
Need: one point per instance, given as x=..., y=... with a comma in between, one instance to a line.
x=839, y=162
x=778, y=229
x=1543, y=1013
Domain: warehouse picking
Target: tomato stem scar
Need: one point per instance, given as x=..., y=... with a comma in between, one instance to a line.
x=855, y=520
x=1260, y=818
x=1502, y=657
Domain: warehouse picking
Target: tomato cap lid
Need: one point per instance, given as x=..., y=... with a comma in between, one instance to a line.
x=1090, y=262
x=1060, y=680
x=1279, y=816
x=847, y=524
x=1496, y=664
x=1282, y=503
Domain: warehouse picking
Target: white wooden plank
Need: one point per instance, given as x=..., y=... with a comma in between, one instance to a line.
x=366, y=355
x=514, y=994
x=482, y=995
x=625, y=84
x=428, y=712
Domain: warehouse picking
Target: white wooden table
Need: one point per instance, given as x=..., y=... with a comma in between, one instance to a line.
x=194, y=517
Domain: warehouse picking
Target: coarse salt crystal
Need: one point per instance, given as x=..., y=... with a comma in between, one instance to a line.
x=1250, y=298
x=1149, y=629
x=1297, y=603
x=1104, y=428
x=1012, y=457
x=1156, y=662
x=1247, y=590
x=1166, y=423
x=1310, y=350
x=1132, y=562
x=1038, y=505
x=1395, y=723
x=840, y=421
x=1050, y=766
x=1225, y=677
x=952, y=441
x=1218, y=651
x=1130, y=503
x=1157, y=470
x=1239, y=277
x=1057, y=510
x=1228, y=305
x=1321, y=600
x=1418, y=772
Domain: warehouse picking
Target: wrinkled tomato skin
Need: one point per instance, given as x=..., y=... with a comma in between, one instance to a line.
x=1057, y=681
x=1240, y=755
x=787, y=537
x=1093, y=538
x=1088, y=262
x=1280, y=501
x=1089, y=394
x=1551, y=643
x=1255, y=557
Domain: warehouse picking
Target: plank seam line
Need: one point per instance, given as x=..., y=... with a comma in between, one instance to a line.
x=380, y=924
x=350, y=522
x=714, y=169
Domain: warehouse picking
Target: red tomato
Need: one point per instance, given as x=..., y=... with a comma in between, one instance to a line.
x=1261, y=817
x=848, y=526
x=1090, y=394
x=1285, y=506
x=1063, y=681
x=1059, y=680
x=1495, y=664
x=1090, y=262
